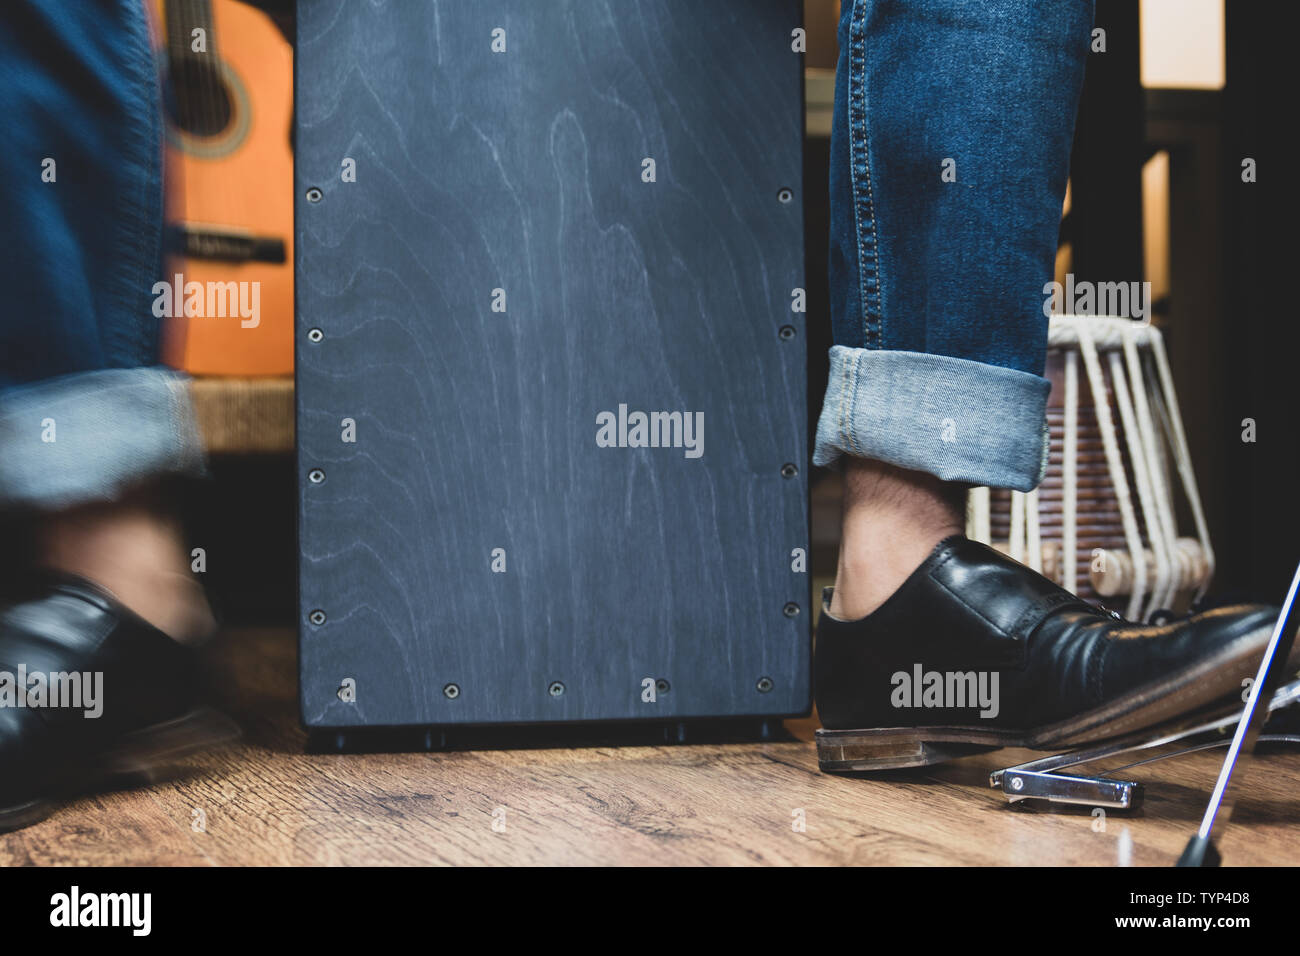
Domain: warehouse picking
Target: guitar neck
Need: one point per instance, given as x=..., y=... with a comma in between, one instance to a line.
x=182, y=18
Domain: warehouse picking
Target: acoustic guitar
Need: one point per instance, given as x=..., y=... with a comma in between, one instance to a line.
x=228, y=88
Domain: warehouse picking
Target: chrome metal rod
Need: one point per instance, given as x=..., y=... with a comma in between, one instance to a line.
x=1253, y=715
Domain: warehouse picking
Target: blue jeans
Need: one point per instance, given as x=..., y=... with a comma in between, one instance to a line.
x=83, y=410
x=950, y=148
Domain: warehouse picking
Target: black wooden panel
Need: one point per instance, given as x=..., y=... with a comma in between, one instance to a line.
x=477, y=429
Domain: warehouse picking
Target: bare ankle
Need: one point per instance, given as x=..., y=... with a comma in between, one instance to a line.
x=891, y=522
x=135, y=549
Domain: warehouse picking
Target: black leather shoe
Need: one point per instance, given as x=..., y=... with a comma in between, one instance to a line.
x=975, y=651
x=89, y=690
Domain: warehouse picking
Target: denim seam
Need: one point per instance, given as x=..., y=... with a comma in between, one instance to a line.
x=869, y=283
x=845, y=435
x=138, y=215
x=853, y=404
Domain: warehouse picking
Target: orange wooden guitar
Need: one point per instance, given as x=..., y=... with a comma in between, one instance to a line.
x=228, y=87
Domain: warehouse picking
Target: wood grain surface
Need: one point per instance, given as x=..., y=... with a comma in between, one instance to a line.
x=244, y=415
x=265, y=801
x=517, y=178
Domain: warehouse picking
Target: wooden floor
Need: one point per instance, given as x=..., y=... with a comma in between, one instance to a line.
x=266, y=801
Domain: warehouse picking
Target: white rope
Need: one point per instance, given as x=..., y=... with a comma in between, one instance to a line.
x=1165, y=431
x=1147, y=406
x=1106, y=332
x=1017, y=542
x=1138, y=461
x=1070, y=476
x=1118, y=579
x=979, y=522
x=1183, y=457
x=1161, y=524
x=1034, y=542
x=1122, y=495
x=1189, y=549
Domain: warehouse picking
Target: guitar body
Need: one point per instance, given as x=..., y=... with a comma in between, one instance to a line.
x=230, y=170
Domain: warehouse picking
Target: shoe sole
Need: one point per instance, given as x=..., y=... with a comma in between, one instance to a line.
x=137, y=753
x=1195, y=686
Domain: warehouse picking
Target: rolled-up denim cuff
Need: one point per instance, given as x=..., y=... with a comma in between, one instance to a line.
x=85, y=437
x=953, y=418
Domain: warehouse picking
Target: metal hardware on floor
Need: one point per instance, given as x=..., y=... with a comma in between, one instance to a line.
x=1039, y=779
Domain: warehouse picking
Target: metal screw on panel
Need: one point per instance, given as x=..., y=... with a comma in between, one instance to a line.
x=451, y=692
x=662, y=686
x=791, y=609
x=764, y=685
x=789, y=470
x=314, y=194
x=317, y=617
x=315, y=335
x=1017, y=783
x=315, y=476
x=556, y=689
x=785, y=194
x=787, y=332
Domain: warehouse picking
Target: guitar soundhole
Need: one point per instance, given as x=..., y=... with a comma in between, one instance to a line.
x=200, y=103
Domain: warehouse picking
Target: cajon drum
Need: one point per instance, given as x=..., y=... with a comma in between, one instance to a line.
x=551, y=362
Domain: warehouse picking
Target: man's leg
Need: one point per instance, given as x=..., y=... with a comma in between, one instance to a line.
x=88, y=426
x=950, y=153
x=892, y=520
x=84, y=415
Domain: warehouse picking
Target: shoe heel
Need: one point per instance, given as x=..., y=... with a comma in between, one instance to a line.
x=852, y=751
x=142, y=751
x=24, y=815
